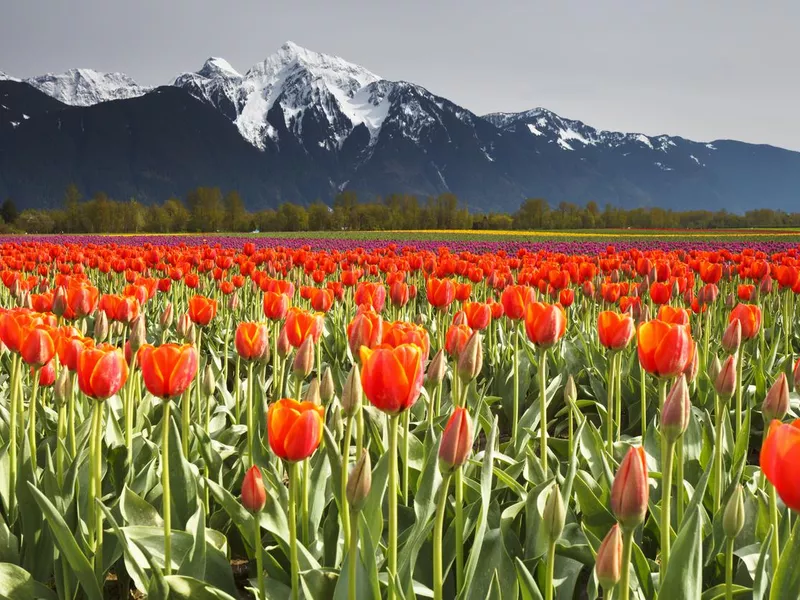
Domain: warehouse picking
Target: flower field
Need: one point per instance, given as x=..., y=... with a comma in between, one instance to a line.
x=471, y=416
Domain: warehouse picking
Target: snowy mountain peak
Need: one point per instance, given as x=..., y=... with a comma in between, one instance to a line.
x=84, y=87
x=4, y=77
x=219, y=67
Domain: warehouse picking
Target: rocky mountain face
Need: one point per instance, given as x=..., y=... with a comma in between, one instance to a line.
x=301, y=126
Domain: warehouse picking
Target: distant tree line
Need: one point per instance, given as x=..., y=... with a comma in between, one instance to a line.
x=206, y=209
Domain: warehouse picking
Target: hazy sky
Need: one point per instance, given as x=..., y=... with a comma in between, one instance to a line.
x=703, y=69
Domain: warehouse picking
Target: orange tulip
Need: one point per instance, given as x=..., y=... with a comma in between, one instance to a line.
x=275, y=305
x=615, y=330
x=545, y=324
x=300, y=324
x=440, y=292
x=102, y=371
x=479, y=314
x=630, y=491
x=665, y=349
x=660, y=293
x=366, y=329
x=514, y=300
x=294, y=428
x=749, y=315
x=456, y=339
x=251, y=340
x=371, y=294
x=202, y=310
x=321, y=300
x=169, y=369
x=392, y=377
x=672, y=314
x=780, y=455
x=37, y=346
x=70, y=348
x=13, y=325
x=402, y=332
x=254, y=495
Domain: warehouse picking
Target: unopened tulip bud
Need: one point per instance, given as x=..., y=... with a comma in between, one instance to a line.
x=359, y=482
x=614, y=276
x=608, y=567
x=138, y=336
x=254, y=495
x=326, y=387
x=436, y=369
x=167, y=315
x=100, y=326
x=730, y=300
x=63, y=387
x=182, y=328
x=60, y=301
x=337, y=421
x=284, y=345
x=588, y=289
x=352, y=392
x=470, y=361
x=209, y=383
x=693, y=367
x=630, y=491
x=776, y=403
x=714, y=368
x=456, y=444
x=732, y=338
x=25, y=300
x=190, y=337
x=304, y=359
x=16, y=290
x=554, y=514
x=676, y=411
x=312, y=392
x=766, y=284
x=233, y=301
x=420, y=319
x=570, y=391
x=725, y=382
x=676, y=289
x=733, y=517
x=644, y=314
x=460, y=318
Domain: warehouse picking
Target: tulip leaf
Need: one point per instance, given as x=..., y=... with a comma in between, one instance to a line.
x=194, y=564
x=188, y=588
x=17, y=584
x=183, y=485
x=137, y=511
x=762, y=574
x=527, y=584
x=683, y=579
x=786, y=582
x=131, y=552
x=373, y=507
x=67, y=545
x=718, y=592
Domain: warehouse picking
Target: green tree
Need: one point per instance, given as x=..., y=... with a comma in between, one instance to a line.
x=206, y=209
x=8, y=211
x=235, y=213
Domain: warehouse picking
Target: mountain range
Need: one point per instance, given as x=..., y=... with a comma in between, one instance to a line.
x=302, y=126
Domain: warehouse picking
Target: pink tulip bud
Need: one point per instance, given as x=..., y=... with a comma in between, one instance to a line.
x=233, y=301
x=732, y=338
x=776, y=403
x=456, y=441
x=630, y=491
x=100, y=326
x=693, y=367
x=312, y=392
x=608, y=567
x=470, y=361
x=326, y=388
x=138, y=334
x=766, y=284
x=725, y=382
x=677, y=410
x=254, y=496
x=60, y=301
x=63, y=387
x=460, y=318
x=304, y=359
x=284, y=345
x=352, y=392
x=167, y=316
x=359, y=482
x=437, y=368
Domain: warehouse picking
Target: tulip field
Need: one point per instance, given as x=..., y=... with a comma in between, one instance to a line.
x=333, y=418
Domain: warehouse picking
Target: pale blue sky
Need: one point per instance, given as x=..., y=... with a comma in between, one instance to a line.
x=702, y=69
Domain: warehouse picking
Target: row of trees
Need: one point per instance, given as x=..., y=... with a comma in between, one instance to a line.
x=207, y=209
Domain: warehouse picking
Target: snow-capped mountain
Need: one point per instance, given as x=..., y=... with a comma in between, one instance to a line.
x=5, y=77
x=85, y=87
x=307, y=125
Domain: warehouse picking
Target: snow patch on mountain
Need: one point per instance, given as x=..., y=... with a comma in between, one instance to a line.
x=85, y=87
x=5, y=77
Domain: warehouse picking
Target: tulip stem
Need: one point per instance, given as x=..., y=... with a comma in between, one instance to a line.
x=515, y=360
x=73, y=444
x=348, y=431
x=186, y=402
x=543, y=407
x=729, y=569
x=773, y=517
x=550, y=565
x=739, y=361
x=304, y=502
x=166, y=499
x=666, y=501
x=60, y=440
x=720, y=407
x=625, y=571
x=618, y=393
x=276, y=376
x=97, y=434
x=295, y=581
x=679, y=482
x=353, y=556
x=438, y=578
x=391, y=566
x=12, y=434
x=459, y=516
x=259, y=558
x=643, y=399
x=250, y=422
x=406, y=435
x=610, y=405
x=237, y=384
x=32, y=419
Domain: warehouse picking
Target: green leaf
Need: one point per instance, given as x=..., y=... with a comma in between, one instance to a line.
x=762, y=575
x=194, y=565
x=684, y=577
x=718, y=592
x=136, y=510
x=527, y=584
x=183, y=485
x=188, y=588
x=17, y=584
x=786, y=582
x=67, y=545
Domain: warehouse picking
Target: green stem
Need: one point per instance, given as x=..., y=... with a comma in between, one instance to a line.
x=353, y=556
x=345, y=510
x=295, y=580
x=625, y=572
x=73, y=444
x=438, y=531
x=515, y=359
x=98, y=466
x=304, y=501
x=773, y=518
x=549, y=570
x=237, y=384
x=406, y=435
x=679, y=482
x=543, y=407
x=459, y=525
x=61, y=434
x=618, y=392
x=729, y=569
x=391, y=566
x=186, y=409
x=276, y=377
x=610, y=405
x=739, y=361
x=666, y=501
x=12, y=451
x=643, y=400
x=250, y=421
x=359, y=431
x=166, y=499
x=32, y=409
x=93, y=457
x=718, y=452
x=259, y=558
